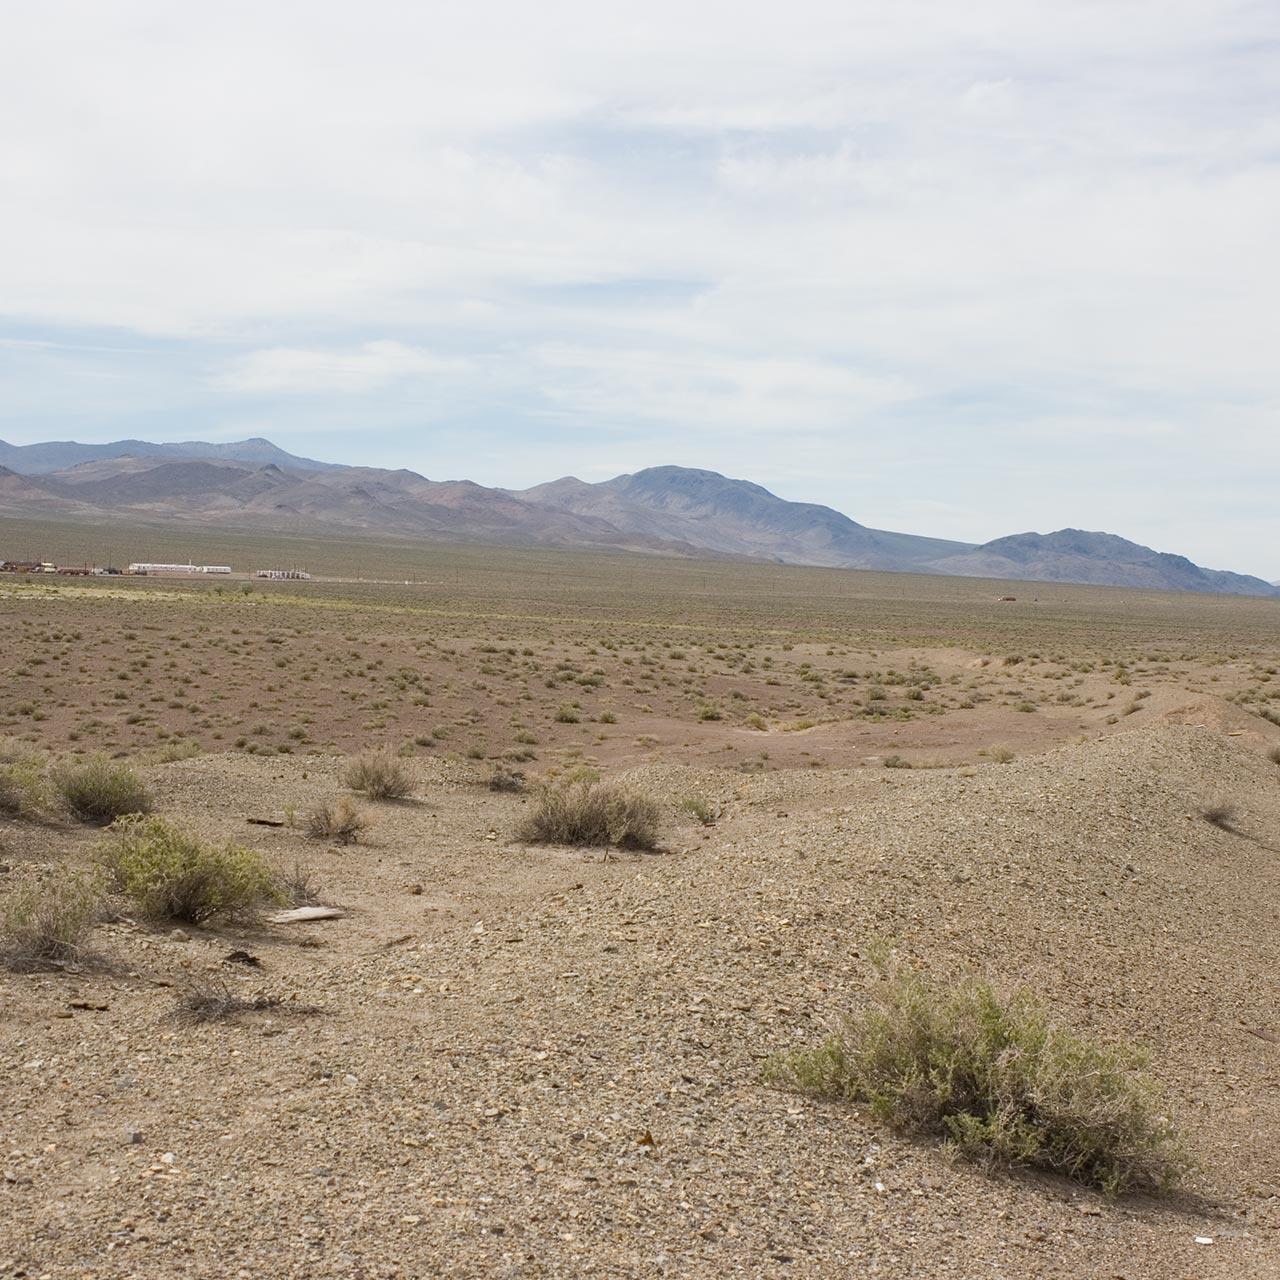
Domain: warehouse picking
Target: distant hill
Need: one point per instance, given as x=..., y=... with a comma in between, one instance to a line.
x=38, y=459
x=736, y=517
x=1074, y=555
x=666, y=510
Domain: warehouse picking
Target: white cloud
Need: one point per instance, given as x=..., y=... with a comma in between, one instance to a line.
x=614, y=386
x=291, y=370
x=969, y=227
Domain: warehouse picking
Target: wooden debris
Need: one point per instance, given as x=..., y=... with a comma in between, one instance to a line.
x=300, y=915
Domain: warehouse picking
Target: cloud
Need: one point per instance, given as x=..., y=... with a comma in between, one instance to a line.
x=295, y=371
x=914, y=234
x=612, y=386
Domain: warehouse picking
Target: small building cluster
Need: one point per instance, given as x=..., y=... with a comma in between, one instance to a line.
x=145, y=568
x=153, y=569
x=46, y=566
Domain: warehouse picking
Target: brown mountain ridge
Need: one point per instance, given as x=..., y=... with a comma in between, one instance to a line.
x=664, y=510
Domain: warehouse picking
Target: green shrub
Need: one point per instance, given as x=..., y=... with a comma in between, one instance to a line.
x=171, y=874
x=100, y=790
x=49, y=921
x=588, y=812
x=341, y=822
x=697, y=806
x=567, y=713
x=23, y=793
x=997, y=1081
x=379, y=774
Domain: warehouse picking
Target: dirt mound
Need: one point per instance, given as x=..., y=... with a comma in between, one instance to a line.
x=559, y=1075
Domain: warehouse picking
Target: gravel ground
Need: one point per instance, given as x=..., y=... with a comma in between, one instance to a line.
x=535, y=1062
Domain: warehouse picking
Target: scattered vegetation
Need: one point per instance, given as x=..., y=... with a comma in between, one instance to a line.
x=171, y=874
x=23, y=792
x=299, y=888
x=212, y=1000
x=587, y=811
x=380, y=775
x=99, y=790
x=997, y=1081
x=341, y=821
x=49, y=921
x=698, y=806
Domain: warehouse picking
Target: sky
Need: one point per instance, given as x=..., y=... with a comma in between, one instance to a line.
x=954, y=269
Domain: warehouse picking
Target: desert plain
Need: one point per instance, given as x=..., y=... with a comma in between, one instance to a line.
x=509, y=1059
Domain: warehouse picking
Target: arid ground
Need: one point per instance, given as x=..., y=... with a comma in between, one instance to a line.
x=519, y=1060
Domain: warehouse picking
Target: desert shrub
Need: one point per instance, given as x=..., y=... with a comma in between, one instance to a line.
x=709, y=711
x=756, y=721
x=101, y=790
x=23, y=792
x=590, y=812
x=567, y=713
x=698, y=806
x=997, y=1081
x=896, y=762
x=379, y=774
x=300, y=887
x=506, y=780
x=1001, y=754
x=342, y=821
x=212, y=1000
x=1274, y=755
x=49, y=921
x=171, y=874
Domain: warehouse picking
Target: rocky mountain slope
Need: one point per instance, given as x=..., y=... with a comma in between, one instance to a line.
x=55, y=455
x=252, y=484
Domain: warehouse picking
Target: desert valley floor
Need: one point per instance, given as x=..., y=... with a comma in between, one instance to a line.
x=508, y=1059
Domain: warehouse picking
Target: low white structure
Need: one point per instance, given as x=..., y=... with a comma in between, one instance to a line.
x=148, y=568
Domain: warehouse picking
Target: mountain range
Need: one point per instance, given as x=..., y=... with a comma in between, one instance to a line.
x=252, y=484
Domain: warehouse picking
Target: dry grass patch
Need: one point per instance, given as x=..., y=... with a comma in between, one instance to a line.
x=101, y=790
x=698, y=806
x=380, y=775
x=48, y=922
x=214, y=1001
x=591, y=812
x=23, y=791
x=341, y=821
x=171, y=874
x=997, y=1081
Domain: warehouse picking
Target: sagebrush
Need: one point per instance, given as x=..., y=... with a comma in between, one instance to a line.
x=172, y=874
x=49, y=921
x=340, y=821
x=591, y=812
x=23, y=792
x=998, y=1081
x=99, y=790
x=378, y=774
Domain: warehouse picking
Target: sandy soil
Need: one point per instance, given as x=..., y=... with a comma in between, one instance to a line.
x=540, y=1062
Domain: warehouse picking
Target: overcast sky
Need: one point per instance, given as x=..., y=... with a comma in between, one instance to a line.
x=962, y=269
